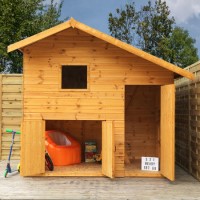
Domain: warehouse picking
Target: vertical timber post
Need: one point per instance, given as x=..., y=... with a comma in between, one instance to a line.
x=1, y=116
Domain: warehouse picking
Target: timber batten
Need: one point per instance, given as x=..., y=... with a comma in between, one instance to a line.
x=121, y=119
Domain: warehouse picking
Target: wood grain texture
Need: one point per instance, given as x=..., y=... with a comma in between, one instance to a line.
x=167, y=135
x=102, y=188
x=107, y=75
x=82, y=169
x=1, y=118
x=108, y=148
x=187, y=122
x=109, y=69
x=39, y=36
x=141, y=132
x=33, y=148
x=11, y=113
x=102, y=36
x=134, y=170
x=108, y=72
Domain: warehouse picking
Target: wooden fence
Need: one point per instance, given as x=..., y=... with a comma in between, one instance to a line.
x=11, y=113
x=188, y=122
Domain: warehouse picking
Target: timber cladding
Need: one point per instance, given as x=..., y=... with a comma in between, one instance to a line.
x=188, y=122
x=109, y=70
x=142, y=119
x=77, y=79
x=11, y=113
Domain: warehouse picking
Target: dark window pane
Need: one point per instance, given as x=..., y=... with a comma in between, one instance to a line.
x=74, y=77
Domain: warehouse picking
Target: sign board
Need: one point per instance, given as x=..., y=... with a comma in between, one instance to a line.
x=150, y=163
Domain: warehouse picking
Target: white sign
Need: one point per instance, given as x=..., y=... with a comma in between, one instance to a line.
x=150, y=163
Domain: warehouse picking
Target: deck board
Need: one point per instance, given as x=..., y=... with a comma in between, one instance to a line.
x=95, y=169
x=82, y=169
x=17, y=187
x=134, y=169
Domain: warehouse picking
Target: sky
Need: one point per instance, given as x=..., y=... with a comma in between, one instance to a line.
x=95, y=13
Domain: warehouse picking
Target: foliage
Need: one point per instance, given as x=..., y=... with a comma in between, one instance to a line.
x=179, y=48
x=126, y=20
x=154, y=25
x=153, y=30
x=20, y=19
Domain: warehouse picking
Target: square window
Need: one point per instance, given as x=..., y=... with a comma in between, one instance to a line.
x=74, y=77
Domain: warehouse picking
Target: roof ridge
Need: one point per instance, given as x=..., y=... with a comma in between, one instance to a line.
x=103, y=36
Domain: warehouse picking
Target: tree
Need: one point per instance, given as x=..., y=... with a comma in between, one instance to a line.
x=124, y=25
x=154, y=24
x=153, y=30
x=179, y=48
x=20, y=19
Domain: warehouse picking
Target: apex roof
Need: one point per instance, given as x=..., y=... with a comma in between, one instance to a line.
x=72, y=23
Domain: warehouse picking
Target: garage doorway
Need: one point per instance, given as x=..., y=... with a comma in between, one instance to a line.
x=84, y=131
x=142, y=127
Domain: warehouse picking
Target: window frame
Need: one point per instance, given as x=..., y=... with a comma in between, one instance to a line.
x=73, y=89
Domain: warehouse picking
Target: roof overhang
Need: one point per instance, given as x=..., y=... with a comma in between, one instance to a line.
x=72, y=23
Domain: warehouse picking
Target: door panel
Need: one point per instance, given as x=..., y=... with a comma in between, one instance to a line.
x=32, y=148
x=108, y=149
x=167, y=132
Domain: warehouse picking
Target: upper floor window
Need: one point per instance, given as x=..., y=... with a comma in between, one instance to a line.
x=74, y=77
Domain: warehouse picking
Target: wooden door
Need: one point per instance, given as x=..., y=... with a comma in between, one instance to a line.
x=32, y=161
x=108, y=149
x=167, y=132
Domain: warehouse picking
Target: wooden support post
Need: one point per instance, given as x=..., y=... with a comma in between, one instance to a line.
x=32, y=161
x=189, y=128
x=0, y=116
x=108, y=149
x=167, y=136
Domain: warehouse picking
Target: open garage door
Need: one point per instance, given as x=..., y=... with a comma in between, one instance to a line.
x=108, y=149
x=167, y=131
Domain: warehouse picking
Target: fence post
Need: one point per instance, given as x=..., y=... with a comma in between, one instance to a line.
x=189, y=124
x=0, y=116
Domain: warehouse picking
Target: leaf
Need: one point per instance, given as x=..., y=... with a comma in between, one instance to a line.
x=20, y=19
x=153, y=30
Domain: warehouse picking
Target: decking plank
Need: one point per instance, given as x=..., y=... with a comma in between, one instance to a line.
x=17, y=187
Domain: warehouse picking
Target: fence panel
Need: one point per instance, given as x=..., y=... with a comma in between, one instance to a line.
x=11, y=113
x=188, y=122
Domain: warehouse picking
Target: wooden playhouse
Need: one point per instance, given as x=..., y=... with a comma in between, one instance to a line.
x=116, y=95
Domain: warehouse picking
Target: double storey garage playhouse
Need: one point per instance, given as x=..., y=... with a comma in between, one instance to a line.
x=79, y=80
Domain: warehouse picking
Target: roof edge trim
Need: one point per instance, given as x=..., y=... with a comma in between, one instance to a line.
x=39, y=36
x=134, y=50
x=107, y=38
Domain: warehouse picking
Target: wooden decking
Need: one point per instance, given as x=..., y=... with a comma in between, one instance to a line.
x=95, y=169
x=134, y=169
x=82, y=169
x=16, y=187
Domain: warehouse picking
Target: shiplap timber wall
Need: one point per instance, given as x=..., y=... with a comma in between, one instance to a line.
x=188, y=122
x=11, y=113
x=109, y=69
x=142, y=114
